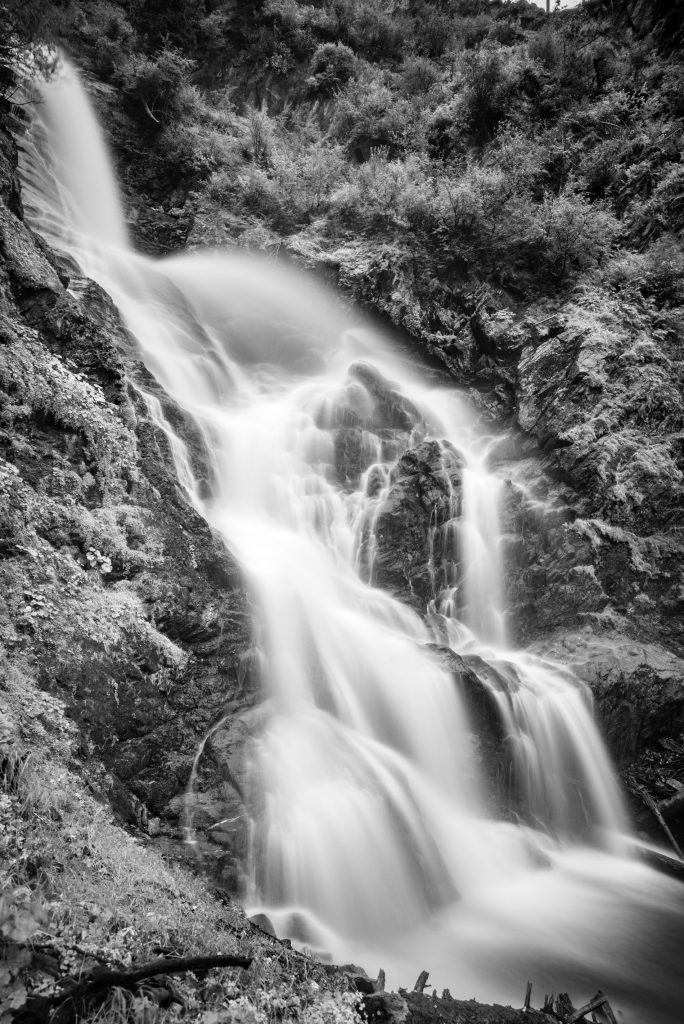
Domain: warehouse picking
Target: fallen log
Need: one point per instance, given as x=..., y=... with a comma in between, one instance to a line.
x=599, y=1002
x=67, y=1004
x=654, y=808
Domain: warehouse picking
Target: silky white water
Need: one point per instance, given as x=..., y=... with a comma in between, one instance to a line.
x=371, y=837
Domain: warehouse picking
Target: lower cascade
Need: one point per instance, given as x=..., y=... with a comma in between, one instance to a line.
x=376, y=833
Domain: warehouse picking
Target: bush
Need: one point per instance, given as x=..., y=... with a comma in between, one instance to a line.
x=385, y=194
x=109, y=37
x=152, y=86
x=490, y=85
x=308, y=177
x=574, y=233
x=331, y=67
x=434, y=33
x=656, y=274
x=418, y=76
x=368, y=29
x=369, y=115
x=168, y=24
x=472, y=31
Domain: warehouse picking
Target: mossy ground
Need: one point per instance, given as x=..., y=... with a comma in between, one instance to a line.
x=78, y=890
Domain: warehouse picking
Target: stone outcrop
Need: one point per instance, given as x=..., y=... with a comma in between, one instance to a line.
x=638, y=687
x=424, y=493
x=598, y=507
x=115, y=594
x=591, y=511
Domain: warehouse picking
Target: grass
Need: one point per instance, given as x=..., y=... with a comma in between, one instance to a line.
x=79, y=889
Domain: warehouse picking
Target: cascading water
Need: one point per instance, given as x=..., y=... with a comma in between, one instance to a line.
x=370, y=837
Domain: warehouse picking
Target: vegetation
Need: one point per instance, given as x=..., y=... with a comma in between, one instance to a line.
x=529, y=150
x=434, y=153
x=76, y=890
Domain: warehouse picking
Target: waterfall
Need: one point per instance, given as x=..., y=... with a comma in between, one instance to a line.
x=371, y=835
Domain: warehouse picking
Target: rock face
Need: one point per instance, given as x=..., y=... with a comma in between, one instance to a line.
x=115, y=594
x=592, y=509
x=594, y=517
x=637, y=687
x=424, y=493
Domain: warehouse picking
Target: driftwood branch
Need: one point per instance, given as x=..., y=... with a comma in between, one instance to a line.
x=99, y=978
x=656, y=812
x=148, y=111
x=63, y=1005
x=598, y=1002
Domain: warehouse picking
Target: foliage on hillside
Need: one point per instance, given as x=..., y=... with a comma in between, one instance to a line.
x=451, y=162
x=480, y=138
x=76, y=890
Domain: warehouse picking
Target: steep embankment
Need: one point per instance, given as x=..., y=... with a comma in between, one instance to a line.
x=115, y=595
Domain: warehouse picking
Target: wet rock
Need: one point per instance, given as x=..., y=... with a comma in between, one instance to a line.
x=476, y=680
x=603, y=400
x=263, y=922
x=35, y=285
x=638, y=687
x=424, y=493
x=391, y=409
x=355, y=451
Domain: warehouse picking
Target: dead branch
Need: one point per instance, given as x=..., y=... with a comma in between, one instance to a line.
x=421, y=981
x=655, y=810
x=148, y=111
x=598, y=1002
x=65, y=1005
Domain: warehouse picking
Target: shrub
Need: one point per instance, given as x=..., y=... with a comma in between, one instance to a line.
x=368, y=115
x=434, y=33
x=546, y=49
x=505, y=32
x=153, y=86
x=21, y=916
x=109, y=37
x=308, y=177
x=663, y=211
x=368, y=29
x=418, y=76
x=472, y=31
x=168, y=24
x=331, y=67
x=489, y=87
x=384, y=194
x=657, y=274
x=575, y=234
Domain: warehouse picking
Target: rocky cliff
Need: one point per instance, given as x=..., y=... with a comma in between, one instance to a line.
x=115, y=595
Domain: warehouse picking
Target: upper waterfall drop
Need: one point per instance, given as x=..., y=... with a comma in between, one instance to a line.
x=87, y=203
x=370, y=820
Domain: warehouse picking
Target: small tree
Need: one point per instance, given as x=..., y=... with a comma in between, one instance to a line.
x=152, y=86
x=332, y=66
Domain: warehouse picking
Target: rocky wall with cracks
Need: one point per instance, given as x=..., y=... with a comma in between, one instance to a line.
x=115, y=595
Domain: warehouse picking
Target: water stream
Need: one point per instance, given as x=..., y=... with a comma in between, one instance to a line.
x=372, y=834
